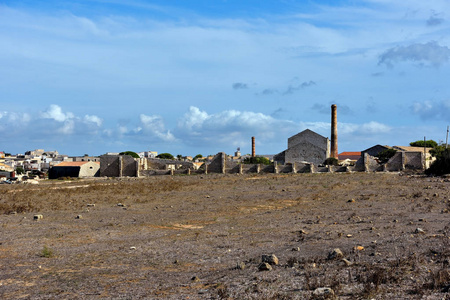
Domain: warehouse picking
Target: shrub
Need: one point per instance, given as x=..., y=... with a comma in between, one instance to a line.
x=20, y=170
x=46, y=252
x=257, y=160
x=441, y=165
x=331, y=161
x=385, y=155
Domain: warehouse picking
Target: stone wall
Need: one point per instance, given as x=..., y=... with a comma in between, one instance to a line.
x=109, y=166
x=217, y=164
x=414, y=160
x=306, y=152
x=118, y=166
x=395, y=163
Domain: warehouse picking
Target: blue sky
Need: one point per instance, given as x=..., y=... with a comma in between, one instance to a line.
x=190, y=77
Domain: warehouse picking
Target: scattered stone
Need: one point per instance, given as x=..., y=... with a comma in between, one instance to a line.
x=419, y=231
x=38, y=217
x=347, y=262
x=264, y=267
x=301, y=231
x=270, y=259
x=335, y=254
x=395, y=221
x=79, y=217
x=120, y=204
x=422, y=220
x=296, y=249
x=132, y=248
x=435, y=195
x=359, y=248
x=175, y=261
x=208, y=196
x=351, y=200
x=349, y=235
x=372, y=228
x=240, y=266
x=195, y=279
x=323, y=293
x=91, y=205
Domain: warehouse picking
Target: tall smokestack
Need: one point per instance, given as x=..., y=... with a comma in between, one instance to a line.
x=334, y=140
x=253, y=146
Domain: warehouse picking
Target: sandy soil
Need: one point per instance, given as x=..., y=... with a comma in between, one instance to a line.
x=202, y=237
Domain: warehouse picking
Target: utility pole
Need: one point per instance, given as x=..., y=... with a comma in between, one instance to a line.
x=446, y=139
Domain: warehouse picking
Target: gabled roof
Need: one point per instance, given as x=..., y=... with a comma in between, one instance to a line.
x=74, y=163
x=309, y=132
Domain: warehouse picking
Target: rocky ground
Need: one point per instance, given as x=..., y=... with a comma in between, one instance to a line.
x=273, y=236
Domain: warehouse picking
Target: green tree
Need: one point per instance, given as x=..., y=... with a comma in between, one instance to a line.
x=165, y=156
x=419, y=143
x=441, y=165
x=257, y=160
x=331, y=161
x=385, y=155
x=20, y=170
x=179, y=156
x=130, y=153
x=198, y=156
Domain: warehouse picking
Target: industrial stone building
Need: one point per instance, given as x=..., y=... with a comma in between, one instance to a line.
x=306, y=146
x=75, y=169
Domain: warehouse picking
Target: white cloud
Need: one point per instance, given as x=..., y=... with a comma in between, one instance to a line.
x=432, y=110
x=154, y=125
x=93, y=119
x=55, y=112
x=430, y=53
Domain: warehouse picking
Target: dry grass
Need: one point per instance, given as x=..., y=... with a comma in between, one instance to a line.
x=172, y=229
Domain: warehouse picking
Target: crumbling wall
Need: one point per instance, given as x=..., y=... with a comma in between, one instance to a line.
x=118, y=166
x=414, y=160
x=217, y=164
x=395, y=163
x=109, y=166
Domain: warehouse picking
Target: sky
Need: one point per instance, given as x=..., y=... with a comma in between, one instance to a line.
x=204, y=76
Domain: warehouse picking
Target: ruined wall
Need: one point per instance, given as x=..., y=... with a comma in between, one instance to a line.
x=217, y=164
x=280, y=157
x=118, y=165
x=395, y=163
x=109, y=166
x=129, y=166
x=414, y=160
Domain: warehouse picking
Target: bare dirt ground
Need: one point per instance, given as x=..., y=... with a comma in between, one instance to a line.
x=202, y=237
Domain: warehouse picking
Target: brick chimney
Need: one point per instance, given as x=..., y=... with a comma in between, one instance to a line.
x=253, y=147
x=334, y=135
